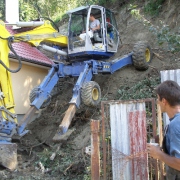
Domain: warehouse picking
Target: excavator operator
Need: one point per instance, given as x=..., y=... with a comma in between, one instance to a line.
x=93, y=29
x=95, y=24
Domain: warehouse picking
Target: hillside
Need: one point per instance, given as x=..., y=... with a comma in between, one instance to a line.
x=71, y=161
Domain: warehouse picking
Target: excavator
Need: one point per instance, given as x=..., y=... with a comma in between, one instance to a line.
x=82, y=58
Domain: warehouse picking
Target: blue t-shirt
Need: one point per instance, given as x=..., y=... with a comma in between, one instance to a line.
x=173, y=136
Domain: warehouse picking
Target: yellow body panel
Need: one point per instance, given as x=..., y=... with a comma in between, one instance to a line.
x=5, y=76
x=44, y=33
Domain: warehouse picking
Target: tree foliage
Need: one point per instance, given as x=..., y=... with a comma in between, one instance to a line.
x=27, y=11
x=153, y=7
x=2, y=10
x=53, y=9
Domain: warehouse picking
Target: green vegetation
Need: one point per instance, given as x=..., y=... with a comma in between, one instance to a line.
x=60, y=162
x=54, y=9
x=2, y=10
x=71, y=166
x=164, y=35
x=153, y=7
x=141, y=90
x=27, y=12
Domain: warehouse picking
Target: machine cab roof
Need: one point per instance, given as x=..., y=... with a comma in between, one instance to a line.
x=83, y=42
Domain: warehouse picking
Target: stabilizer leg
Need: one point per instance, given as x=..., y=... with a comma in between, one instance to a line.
x=85, y=75
x=63, y=127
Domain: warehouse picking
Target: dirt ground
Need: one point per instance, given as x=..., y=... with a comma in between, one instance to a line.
x=71, y=161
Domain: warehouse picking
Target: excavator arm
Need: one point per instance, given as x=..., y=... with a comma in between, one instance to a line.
x=6, y=94
x=8, y=118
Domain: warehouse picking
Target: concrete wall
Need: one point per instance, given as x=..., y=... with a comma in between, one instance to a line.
x=23, y=82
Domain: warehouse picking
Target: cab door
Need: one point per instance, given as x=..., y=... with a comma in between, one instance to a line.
x=112, y=34
x=98, y=13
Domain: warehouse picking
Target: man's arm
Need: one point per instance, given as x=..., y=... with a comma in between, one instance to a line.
x=156, y=153
x=97, y=26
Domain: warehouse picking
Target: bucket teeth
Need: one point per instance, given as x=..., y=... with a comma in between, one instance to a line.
x=8, y=155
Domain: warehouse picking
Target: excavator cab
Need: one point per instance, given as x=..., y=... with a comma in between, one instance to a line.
x=85, y=44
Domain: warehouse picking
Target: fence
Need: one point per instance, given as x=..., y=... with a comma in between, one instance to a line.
x=123, y=133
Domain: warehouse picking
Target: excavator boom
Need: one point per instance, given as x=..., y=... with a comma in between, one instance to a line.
x=8, y=150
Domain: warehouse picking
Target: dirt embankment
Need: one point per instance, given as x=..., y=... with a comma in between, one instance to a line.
x=71, y=161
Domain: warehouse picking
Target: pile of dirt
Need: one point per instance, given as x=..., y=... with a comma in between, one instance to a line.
x=71, y=161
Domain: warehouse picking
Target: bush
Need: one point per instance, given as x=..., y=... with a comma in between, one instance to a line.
x=164, y=35
x=153, y=7
x=142, y=90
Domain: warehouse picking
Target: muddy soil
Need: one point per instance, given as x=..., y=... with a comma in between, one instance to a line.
x=71, y=160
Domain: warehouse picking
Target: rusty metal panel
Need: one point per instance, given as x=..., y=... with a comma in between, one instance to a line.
x=119, y=141
x=95, y=153
x=128, y=140
x=169, y=75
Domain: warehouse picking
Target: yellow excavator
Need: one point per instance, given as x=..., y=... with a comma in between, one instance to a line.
x=6, y=94
x=84, y=58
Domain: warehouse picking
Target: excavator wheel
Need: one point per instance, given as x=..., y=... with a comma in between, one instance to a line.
x=142, y=55
x=91, y=93
x=32, y=97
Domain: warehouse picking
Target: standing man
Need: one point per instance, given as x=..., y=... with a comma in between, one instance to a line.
x=168, y=94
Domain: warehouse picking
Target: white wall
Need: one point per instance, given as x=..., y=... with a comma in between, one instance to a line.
x=12, y=11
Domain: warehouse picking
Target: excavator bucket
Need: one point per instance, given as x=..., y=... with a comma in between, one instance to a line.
x=8, y=155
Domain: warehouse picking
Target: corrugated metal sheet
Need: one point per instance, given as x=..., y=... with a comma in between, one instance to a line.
x=169, y=75
x=128, y=138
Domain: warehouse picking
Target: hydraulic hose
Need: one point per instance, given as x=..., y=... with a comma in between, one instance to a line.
x=51, y=22
x=10, y=40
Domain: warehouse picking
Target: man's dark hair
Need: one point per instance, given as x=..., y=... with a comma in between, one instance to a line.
x=91, y=14
x=170, y=91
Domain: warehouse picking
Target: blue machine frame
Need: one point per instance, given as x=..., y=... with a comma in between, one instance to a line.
x=84, y=70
